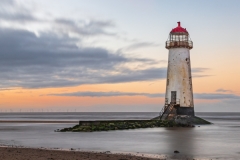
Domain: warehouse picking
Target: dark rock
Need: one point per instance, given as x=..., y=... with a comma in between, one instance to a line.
x=176, y=151
x=107, y=152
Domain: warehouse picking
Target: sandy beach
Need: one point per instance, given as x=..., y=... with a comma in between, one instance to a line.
x=15, y=153
x=37, y=121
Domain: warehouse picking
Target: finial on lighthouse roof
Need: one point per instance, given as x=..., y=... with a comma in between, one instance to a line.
x=179, y=24
x=179, y=29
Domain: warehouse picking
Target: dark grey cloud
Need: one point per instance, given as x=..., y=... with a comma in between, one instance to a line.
x=136, y=75
x=152, y=95
x=200, y=76
x=139, y=45
x=13, y=12
x=197, y=72
x=24, y=48
x=21, y=16
x=107, y=94
x=215, y=96
x=223, y=90
x=50, y=61
x=83, y=28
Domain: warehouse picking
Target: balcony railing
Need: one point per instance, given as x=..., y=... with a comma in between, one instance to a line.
x=179, y=44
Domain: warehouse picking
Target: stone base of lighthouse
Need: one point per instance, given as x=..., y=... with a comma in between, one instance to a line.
x=185, y=111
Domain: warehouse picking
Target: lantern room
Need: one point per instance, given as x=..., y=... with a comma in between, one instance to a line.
x=179, y=38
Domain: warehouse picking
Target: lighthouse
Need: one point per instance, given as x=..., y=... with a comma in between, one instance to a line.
x=179, y=91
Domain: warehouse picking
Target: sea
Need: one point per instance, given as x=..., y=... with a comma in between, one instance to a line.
x=220, y=140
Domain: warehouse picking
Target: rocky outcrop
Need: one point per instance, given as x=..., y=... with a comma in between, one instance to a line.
x=91, y=126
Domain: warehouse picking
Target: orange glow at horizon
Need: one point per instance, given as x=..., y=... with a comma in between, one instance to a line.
x=40, y=98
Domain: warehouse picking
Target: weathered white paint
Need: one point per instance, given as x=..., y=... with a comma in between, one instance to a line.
x=179, y=76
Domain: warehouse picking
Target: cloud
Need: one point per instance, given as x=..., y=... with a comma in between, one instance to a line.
x=223, y=90
x=200, y=76
x=12, y=11
x=139, y=45
x=51, y=61
x=5, y=89
x=83, y=28
x=197, y=72
x=151, y=95
x=18, y=15
x=107, y=94
x=215, y=96
x=21, y=17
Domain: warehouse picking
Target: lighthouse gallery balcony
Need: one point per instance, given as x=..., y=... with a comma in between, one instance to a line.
x=179, y=40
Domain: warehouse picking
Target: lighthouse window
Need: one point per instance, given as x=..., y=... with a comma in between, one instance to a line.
x=177, y=38
x=184, y=38
x=180, y=38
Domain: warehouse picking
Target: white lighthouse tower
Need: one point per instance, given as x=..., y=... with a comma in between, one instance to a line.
x=179, y=92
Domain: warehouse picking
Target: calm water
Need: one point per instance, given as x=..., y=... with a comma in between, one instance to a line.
x=218, y=141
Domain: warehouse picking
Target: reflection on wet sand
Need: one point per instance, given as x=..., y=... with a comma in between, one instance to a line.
x=183, y=141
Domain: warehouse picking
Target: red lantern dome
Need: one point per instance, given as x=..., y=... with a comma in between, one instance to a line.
x=179, y=29
x=179, y=38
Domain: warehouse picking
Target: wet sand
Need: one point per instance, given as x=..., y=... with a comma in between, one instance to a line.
x=14, y=153
x=37, y=121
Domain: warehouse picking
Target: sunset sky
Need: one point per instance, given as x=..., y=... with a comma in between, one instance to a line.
x=110, y=55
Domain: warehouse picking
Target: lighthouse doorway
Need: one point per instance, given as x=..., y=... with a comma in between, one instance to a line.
x=173, y=97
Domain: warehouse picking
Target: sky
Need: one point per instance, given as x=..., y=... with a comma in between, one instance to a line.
x=110, y=56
